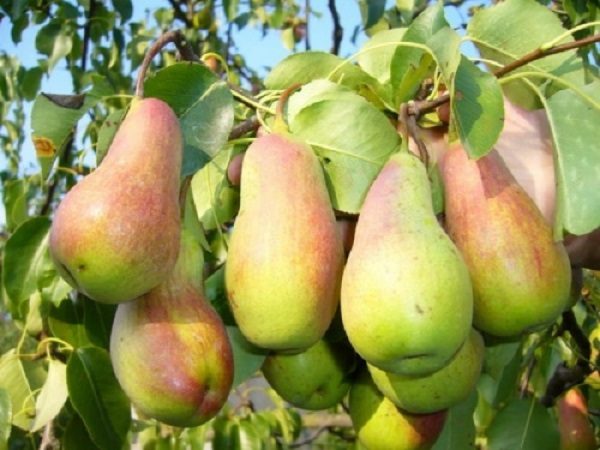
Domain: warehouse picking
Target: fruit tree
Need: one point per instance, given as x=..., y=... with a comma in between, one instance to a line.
x=395, y=247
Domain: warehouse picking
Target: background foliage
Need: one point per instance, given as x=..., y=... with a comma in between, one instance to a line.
x=55, y=373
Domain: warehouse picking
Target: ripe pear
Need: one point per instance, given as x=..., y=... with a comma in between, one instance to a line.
x=576, y=430
x=407, y=299
x=317, y=378
x=285, y=256
x=521, y=277
x=440, y=390
x=115, y=235
x=170, y=350
x=380, y=425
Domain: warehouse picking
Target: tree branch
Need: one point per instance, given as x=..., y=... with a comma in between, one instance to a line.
x=338, y=31
x=306, y=22
x=423, y=107
x=248, y=125
x=180, y=14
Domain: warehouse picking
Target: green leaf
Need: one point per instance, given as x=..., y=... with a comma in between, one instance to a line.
x=14, y=381
x=15, y=203
x=308, y=66
x=97, y=397
x=124, y=8
x=477, y=108
x=52, y=396
x=216, y=202
x=523, y=425
x=5, y=415
x=352, y=150
x=44, y=39
x=314, y=92
x=98, y=319
x=204, y=106
x=511, y=29
x=410, y=65
x=230, y=7
x=52, y=120
x=371, y=11
x=24, y=256
x=76, y=436
x=247, y=358
x=375, y=56
x=63, y=43
x=107, y=133
x=31, y=82
x=214, y=288
x=459, y=429
x=66, y=322
x=574, y=128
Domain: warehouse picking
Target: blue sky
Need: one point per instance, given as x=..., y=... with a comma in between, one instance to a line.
x=259, y=52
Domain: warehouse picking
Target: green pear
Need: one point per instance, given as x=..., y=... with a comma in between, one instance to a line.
x=521, y=276
x=115, y=235
x=380, y=425
x=285, y=256
x=406, y=299
x=317, y=378
x=440, y=390
x=170, y=350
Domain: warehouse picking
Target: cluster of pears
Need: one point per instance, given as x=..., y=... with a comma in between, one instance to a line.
x=413, y=295
x=117, y=237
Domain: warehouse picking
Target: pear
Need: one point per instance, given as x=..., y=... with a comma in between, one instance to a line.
x=317, y=378
x=285, y=256
x=576, y=430
x=380, y=425
x=521, y=277
x=407, y=299
x=170, y=349
x=115, y=235
x=440, y=390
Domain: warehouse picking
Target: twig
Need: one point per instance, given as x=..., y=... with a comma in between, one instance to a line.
x=176, y=37
x=48, y=440
x=180, y=14
x=248, y=125
x=338, y=31
x=427, y=106
x=306, y=22
x=570, y=325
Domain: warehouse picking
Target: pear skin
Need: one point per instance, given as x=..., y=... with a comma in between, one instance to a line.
x=576, y=430
x=115, y=235
x=380, y=425
x=285, y=256
x=317, y=378
x=170, y=350
x=521, y=277
x=407, y=299
x=440, y=390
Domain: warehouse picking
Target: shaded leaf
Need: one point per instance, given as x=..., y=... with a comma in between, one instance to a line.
x=577, y=158
x=371, y=11
x=523, y=425
x=477, y=108
x=52, y=396
x=98, y=319
x=97, y=397
x=24, y=256
x=204, y=106
x=76, y=436
x=107, y=133
x=247, y=358
x=231, y=8
x=15, y=203
x=459, y=429
x=66, y=323
x=352, y=150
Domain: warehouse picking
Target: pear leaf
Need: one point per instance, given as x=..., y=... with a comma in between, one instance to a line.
x=14, y=381
x=204, y=106
x=5, y=415
x=459, y=429
x=523, y=425
x=577, y=158
x=352, y=150
x=52, y=396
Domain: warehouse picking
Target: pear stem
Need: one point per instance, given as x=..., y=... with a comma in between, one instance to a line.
x=280, y=124
x=183, y=46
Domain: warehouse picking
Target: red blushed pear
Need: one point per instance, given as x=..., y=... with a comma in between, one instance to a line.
x=576, y=430
x=380, y=425
x=286, y=256
x=115, y=235
x=407, y=301
x=521, y=276
x=170, y=349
